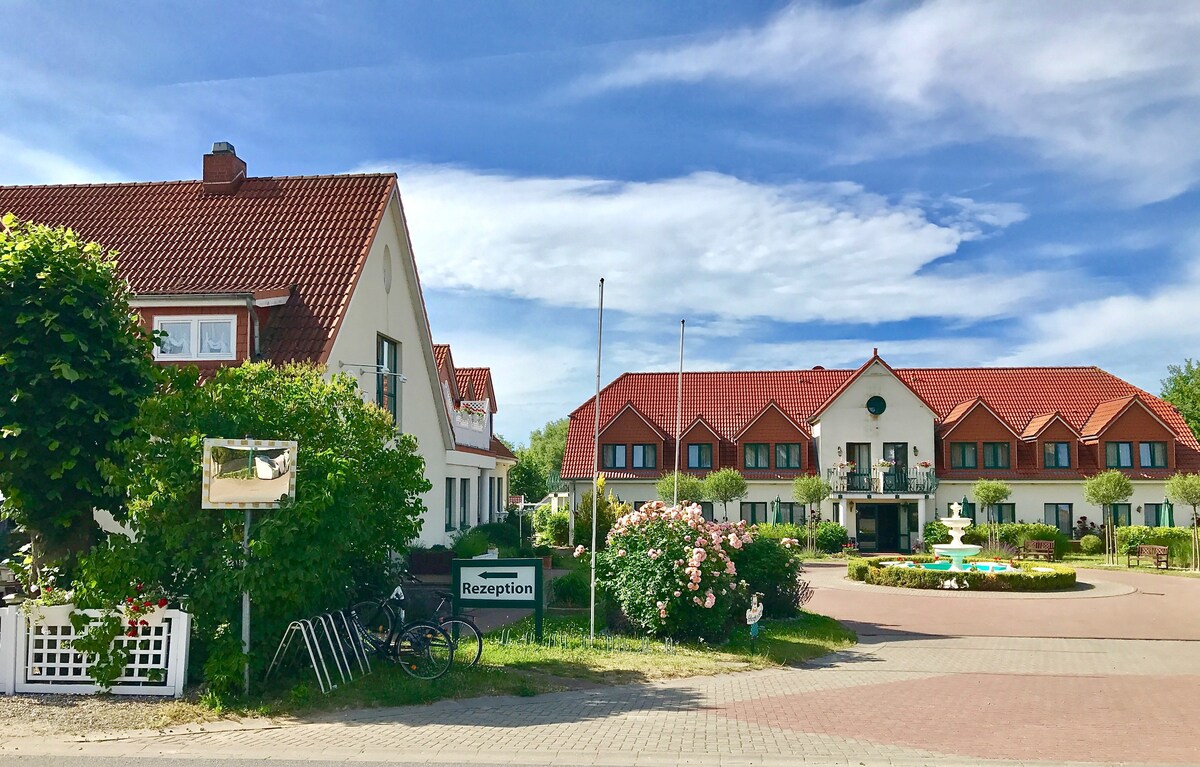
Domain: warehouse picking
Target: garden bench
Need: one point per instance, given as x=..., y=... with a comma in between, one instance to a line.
x=1160, y=555
x=1038, y=550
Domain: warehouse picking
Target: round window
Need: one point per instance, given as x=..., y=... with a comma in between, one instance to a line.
x=876, y=405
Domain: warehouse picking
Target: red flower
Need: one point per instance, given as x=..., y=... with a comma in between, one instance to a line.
x=129, y=600
x=162, y=602
x=147, y=603
x=143, y=623
x=131, y=633
x=132, y=622
x=139, y=587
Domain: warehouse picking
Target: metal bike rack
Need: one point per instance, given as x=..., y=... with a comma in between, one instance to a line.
x=339, y=633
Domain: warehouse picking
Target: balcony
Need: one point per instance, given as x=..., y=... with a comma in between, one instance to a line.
x=914, y=481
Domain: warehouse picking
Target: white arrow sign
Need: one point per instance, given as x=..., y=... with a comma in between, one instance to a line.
x=494, y=580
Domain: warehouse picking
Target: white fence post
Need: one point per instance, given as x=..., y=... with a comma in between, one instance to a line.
x=9, y=618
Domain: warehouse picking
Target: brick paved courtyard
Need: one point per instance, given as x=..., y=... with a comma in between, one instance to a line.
x=954, y=679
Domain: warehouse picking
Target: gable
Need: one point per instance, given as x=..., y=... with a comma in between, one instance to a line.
x=699, y=432
x=771, y=426
x=1057, y=431
x=873, y=379
x=1136, y=423
x=628, y=427
x=979, y=424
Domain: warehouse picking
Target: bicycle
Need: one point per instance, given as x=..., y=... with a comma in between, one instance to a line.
x=464, y=634
x=422, y=648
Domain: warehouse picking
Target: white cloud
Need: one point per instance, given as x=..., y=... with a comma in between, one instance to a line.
x=23, y=164
x=706, y=244
x=1110, y=90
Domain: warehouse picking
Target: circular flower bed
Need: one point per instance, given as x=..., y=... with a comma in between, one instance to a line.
x=1040, y=576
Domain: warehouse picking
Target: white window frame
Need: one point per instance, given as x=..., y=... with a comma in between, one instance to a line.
x=195, y=320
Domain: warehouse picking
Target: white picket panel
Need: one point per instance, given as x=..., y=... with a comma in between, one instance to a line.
x=36, y=657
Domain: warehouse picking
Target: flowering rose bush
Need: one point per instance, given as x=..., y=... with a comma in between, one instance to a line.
x=671, y=572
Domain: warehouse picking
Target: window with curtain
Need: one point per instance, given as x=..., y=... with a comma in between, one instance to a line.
x=964, y=455
x=1006, y=513
x=700, y=456
x=645, y=456
x=787, y=455
x=387, y=381
x=449, y=503
x=1056, y=455
x=995, y=455
x=1153, y=515
x=1118, y=455
x=1121, y=514
x=1153, y=455
x=613, y=456
x=754, y=513
x=1059, y=515
x=756, y=456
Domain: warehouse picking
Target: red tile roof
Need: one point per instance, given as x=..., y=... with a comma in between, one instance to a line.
x=729, y=400
x=310, y=233
x=1038, y=424
x=439, y=354
x=1104, y=414
x=478, y=381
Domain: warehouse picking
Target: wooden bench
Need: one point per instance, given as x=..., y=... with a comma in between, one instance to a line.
x=1037, y=550
x=1160, y=554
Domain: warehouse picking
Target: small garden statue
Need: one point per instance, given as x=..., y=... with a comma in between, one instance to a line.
x=754, y=615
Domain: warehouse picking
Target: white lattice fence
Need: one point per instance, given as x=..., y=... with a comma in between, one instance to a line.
x=36, y=656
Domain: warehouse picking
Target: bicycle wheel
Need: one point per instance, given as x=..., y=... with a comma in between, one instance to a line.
x=424, y=651
x=468, y=641
x=376, y=619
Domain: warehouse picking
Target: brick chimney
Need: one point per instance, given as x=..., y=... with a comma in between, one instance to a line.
x=224, y=171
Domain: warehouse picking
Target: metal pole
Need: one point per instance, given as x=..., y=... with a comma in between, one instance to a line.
x=678, y=415
x=246, y=604
x=596, y=462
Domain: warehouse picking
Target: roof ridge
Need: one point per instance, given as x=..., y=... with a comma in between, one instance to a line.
x=172, y=182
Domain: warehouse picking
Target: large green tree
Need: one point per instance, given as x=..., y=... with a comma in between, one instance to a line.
x=357, y=499
x=1181, y=388
x=725, y=485
x=75, y=365
x=546, y=447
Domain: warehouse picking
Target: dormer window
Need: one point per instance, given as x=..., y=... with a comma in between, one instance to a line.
x=207, y=337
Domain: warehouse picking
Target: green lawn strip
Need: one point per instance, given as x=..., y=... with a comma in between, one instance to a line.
x=1096, y=562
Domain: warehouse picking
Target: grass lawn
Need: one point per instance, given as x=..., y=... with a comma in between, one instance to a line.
x=1096, y=562
x=510, y=666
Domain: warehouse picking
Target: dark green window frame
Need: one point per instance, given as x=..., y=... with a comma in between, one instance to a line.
x=754, y=512
x=1154, y=516
x=699, y=455
x=387, y=382
x=449, y=503
x=1118, y=455
x=645, y=456
x=612, y=456
x=1006, y=513
x=756, y=455
x=1122, y=514
x=964, y=455
x=788, y=510
x=996, y=455
x=787, y=455
x=1060, y=515
x=464, y=503
x=1152, y=455
x=1056, y=455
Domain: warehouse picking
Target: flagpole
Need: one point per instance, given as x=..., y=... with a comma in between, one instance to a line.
x=678, y=413
x=596, y=461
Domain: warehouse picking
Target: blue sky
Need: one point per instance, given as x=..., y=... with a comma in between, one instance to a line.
x=955, y=183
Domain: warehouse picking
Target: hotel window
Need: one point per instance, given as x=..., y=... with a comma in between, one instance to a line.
x=754, y=513
x=964, y=455
x=700, y=456
x=1118, y=455
x=1121, y=513
x=387, y=380
x=1153, y=455
x=1059, y=515
x=1006, y=513
x=1056, y=455
x=706, y=508
x=464, y=502
x=1157, y=516
x=450, y=503
x=645, y=456
x=613, y=456
x=757, y=456
x=787, y=455
x=788, y=511
x=196, y=338
x=995, y=455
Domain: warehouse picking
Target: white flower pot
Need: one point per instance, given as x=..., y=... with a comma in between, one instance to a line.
x=153, y=617
x=49, y=615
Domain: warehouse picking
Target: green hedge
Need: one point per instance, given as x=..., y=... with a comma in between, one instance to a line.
x=871, y=570
x=830, y=535
x=1012, y=533
x=1178, y=541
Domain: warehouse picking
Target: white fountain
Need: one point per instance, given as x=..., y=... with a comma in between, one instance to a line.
x=956, y=550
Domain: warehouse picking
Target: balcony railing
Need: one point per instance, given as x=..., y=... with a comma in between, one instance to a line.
x=908, y=481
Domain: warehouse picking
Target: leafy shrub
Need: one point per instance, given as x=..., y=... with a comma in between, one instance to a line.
x=1091, y=544
x=1032, y=577
x=1011, y=534
x=670, y=573
x=472, y=543
x=500, y=534
x=1178, y=541
x=778, y=532
x=357, y=499
x=551, y=527
x=773, y=567
x=573, y=589
x=936, y=532
x=831, y=536
x=607, y=511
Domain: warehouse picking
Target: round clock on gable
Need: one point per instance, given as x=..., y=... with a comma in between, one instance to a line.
x=876, y=405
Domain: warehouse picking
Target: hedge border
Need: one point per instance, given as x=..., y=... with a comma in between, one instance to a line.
x=1039, y=576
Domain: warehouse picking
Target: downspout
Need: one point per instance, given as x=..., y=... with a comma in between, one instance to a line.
x=253, y=350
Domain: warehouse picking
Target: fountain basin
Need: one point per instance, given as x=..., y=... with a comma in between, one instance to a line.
x=967, y=567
